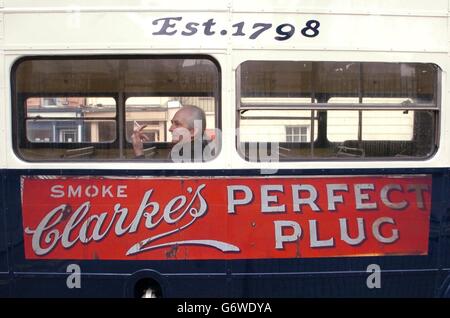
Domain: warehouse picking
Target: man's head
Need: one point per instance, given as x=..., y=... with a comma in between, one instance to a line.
x=190, y=118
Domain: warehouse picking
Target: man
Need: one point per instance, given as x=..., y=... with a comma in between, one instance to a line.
x=187, y=128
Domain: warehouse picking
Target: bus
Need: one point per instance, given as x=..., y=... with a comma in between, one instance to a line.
x=328, y=161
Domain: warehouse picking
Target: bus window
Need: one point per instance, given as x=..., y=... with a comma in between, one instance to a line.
x=84, y=108
x=356, y=110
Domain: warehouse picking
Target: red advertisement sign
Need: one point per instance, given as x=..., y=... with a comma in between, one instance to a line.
x=140, y=218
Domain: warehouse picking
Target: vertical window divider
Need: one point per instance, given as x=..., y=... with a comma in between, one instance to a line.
x=237, y=121
x=437, y=88
x=120, y=122
x=360, y=101
x=121, y=109
x=313, y=97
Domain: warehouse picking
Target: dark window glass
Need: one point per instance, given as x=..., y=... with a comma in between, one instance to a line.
x=317, y=110
x=65, y=104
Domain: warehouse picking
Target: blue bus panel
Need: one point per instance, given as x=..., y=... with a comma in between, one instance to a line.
x=399, y=275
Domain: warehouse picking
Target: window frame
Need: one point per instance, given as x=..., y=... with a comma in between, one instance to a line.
x=18, y=111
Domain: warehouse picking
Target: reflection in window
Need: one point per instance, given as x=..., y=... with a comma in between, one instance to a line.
x=78, y=107
x=356, y=110
x=271, y=126
x=296, y=133
x=71, y=131
x=70, y=120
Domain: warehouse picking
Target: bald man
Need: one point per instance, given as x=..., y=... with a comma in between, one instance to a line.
x=187, y=128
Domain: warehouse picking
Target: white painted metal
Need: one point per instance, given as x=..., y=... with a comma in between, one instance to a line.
x=351, y=30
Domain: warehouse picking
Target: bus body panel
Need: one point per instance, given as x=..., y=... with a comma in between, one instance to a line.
x=288, y=277
x=444, y=241
x=228, y=34
x=4, y=269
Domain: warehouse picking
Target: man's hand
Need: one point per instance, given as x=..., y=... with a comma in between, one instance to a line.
x=138, y=138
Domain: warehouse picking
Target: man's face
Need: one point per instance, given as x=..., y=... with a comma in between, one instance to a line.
x=180, y=126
